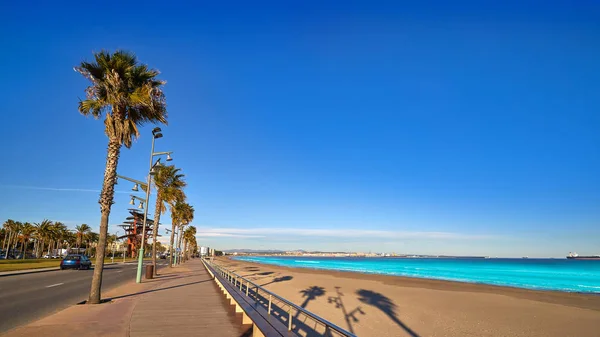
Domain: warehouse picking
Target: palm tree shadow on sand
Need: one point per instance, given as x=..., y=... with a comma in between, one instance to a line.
x=384, y=304
x=311, y=294
x=279, y=279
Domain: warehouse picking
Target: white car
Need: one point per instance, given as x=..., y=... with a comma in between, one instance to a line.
x=46, y=256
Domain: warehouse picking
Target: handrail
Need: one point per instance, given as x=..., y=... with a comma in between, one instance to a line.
x=317, y=318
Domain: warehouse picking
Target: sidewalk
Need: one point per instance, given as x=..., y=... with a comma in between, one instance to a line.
x=182, y=300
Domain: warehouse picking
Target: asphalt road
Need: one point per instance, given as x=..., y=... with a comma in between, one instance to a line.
x=28, y=297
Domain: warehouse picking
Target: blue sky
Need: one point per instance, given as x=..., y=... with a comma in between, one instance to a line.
x=449, y=128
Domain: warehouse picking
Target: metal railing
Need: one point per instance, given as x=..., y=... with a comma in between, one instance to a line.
x=258, y=291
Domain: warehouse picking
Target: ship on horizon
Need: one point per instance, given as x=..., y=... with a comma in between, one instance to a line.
x=575, y=256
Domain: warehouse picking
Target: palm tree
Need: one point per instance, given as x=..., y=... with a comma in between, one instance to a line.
x=8, y=228
x=111, y=239
x=43, y=231
x=181, y=213
x=58, y=234
x=81, y=232
x=169, y=186
x=92, y=240
x=188, y=216
x=15, y=229
x=26, y=234
x=190, y=237
x=129, y=95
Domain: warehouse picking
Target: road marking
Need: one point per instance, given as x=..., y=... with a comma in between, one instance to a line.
x=119, y=271
x=54, y=285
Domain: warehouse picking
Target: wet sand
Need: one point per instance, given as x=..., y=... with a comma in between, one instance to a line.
x=380, y=305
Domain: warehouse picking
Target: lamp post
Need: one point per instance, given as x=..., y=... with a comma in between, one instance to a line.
x=155, y=135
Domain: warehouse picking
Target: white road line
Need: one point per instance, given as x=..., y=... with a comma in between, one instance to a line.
x=119, y=271
x=54, y=285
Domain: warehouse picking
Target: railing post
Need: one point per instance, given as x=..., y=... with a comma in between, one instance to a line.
x=241, y=283
x=269, y=312
x=290, y=320
x=247, y=287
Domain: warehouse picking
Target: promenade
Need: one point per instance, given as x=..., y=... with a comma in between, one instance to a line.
x=181, y=300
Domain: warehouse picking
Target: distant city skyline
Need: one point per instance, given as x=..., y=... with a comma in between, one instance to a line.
x=457, y=128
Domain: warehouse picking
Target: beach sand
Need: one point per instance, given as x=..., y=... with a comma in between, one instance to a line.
x=379, y=305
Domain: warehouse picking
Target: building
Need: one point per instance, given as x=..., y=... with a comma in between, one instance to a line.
x=204, y=251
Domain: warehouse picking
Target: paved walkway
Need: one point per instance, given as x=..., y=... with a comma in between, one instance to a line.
x=182, y=300
x=190, y=305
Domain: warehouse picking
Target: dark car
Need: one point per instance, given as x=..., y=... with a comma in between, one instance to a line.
x=75, y=262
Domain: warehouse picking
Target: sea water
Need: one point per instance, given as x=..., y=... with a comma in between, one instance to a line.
x=540, y=274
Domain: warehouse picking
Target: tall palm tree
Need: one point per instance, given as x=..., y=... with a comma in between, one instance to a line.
x=129, y=95
x=8, y=228
x=15, y=229
x=81, y=231
x=43, y=232
x=186, y=217
x=188, y=236
x=92, y=240
x=111, y=240
x=169, y=190
x=181, y=213
x=26, y=234
x=58, y=230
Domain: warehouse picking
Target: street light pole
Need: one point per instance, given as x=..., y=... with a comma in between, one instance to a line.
x=141, y=255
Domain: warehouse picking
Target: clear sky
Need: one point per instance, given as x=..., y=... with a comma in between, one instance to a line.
x=410, y=127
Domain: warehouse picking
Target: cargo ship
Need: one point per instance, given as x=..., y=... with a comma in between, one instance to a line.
x=575, y=256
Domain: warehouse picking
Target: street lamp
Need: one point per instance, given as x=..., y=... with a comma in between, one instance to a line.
x=156, y=133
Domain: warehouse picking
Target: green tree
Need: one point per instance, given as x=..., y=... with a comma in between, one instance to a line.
x=128, y=94
x=43, y=231
x=169, y=190
x=189, y=237
x=81, y=231
x=181, y=213
x=26, y=234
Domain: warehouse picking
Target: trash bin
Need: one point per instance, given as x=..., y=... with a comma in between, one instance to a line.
x=149, y=271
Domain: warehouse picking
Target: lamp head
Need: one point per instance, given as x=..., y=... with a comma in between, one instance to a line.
x=156, y=130
x=169, y=157
x=141, y=206
x=135, y=188
x=158, y=135
x=132, y=201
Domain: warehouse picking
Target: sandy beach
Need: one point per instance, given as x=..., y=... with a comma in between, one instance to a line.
x=378, y=305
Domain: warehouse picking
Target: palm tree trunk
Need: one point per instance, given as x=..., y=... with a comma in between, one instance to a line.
x=157, y=210
x=8, y=246
x=172, y=242
x=5, y=237
x=106, y=201
x=179, y=244
x=185, y=243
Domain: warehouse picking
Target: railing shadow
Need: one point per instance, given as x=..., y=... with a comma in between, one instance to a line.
x=155, y=290
x=302, y=324
x=386, y=305
x=349, y=317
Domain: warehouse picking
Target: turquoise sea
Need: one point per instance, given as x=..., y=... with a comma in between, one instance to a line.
x=540, y=274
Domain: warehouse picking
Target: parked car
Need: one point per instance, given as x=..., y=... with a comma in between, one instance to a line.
x=74, y=261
